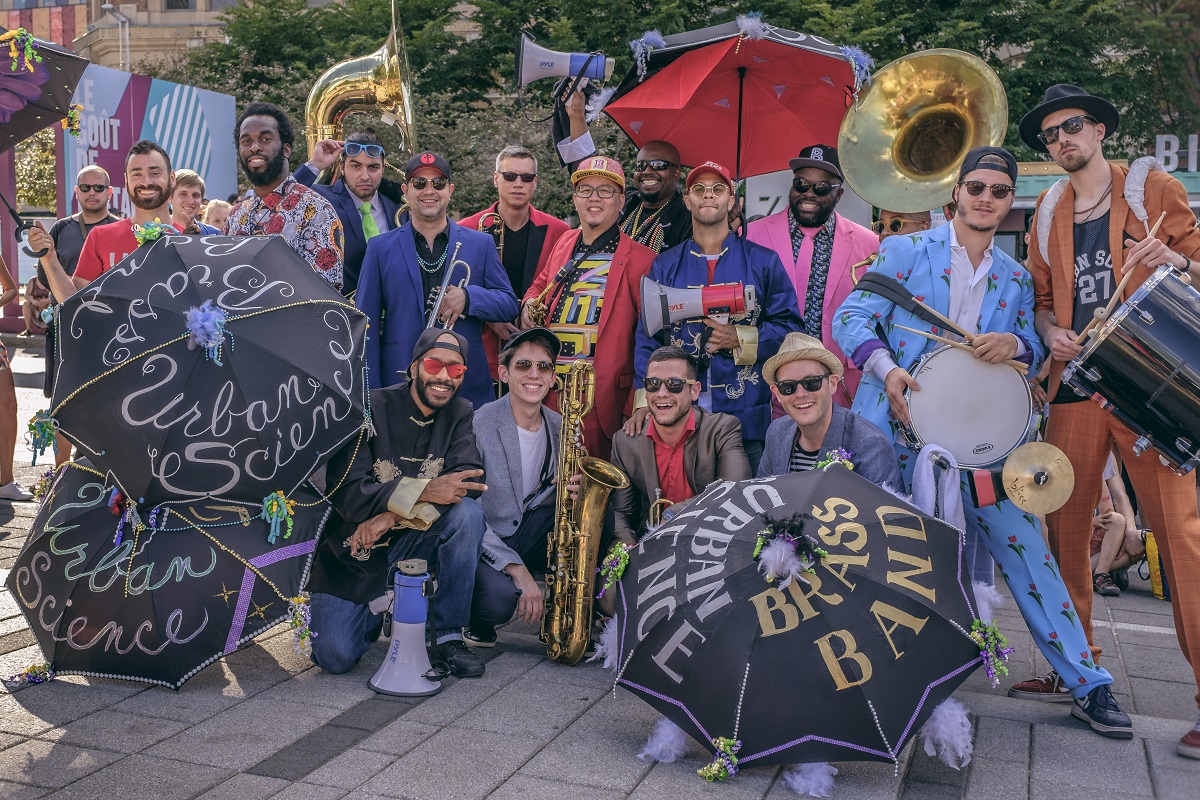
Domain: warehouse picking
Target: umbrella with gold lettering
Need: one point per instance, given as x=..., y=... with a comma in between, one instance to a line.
x=802, y=618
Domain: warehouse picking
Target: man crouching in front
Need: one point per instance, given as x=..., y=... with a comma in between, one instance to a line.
x=409, y=492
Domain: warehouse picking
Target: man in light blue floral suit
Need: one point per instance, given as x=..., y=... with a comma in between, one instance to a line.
x=956, y=270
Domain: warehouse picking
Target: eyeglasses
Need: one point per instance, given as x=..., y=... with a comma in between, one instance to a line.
x=434, y=366
x=420, y=183
x=655, y=165
x=999, y=190
x=674, y=385
x=810, y=384
x=524, y=365
x=91, y=187
x=820, y=188
x=371, y=150
x=894, y=225
x=701, y=189
x=526, y=177
x=603, y=192
x=1068, y=126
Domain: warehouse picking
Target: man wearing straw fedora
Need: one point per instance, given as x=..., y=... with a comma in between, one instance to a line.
x=1089, y=231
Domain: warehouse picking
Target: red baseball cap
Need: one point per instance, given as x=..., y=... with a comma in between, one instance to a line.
x=708, y=168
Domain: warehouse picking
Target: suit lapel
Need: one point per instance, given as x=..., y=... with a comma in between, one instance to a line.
x=1121, y=220
x=615, y=272
x=512, y=451
x=1002, y=266
x=408, y=259
x=351, y=215
x=389, y=212
x=933, y=265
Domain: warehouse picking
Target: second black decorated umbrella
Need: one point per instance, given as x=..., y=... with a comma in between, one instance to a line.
x=209, y=366
x=156, y=598
x=842, y=663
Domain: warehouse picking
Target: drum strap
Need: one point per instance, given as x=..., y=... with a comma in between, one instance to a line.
x=898, y=293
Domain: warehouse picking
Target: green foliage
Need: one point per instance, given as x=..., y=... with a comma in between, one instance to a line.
x=35, y=171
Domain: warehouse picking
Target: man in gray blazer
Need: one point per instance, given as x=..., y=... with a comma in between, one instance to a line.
x=518, y=438
x=804, y=377
x=681, y=449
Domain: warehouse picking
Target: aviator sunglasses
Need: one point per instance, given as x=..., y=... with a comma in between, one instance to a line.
x=674, y=385
x=420, y=183
x=999, y=190
x=820, y=188
x=810, y=384
x=1070, y=127
x=434, y=366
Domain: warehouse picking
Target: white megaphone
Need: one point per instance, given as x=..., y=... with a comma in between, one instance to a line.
x=403, y=672
x=665, y=305
x=535, y=61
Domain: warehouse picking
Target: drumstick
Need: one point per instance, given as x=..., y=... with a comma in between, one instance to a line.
x=1012, y=362
x=1116, y=298
x=947, y=323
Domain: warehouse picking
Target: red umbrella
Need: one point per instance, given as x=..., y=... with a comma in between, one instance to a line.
x=745, y=94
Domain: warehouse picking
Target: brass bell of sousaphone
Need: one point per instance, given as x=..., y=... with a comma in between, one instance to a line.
x=901, y=145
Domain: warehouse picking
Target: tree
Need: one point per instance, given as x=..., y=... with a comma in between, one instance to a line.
x=36, y=186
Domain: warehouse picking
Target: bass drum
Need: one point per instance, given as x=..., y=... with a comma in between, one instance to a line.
x=1137, y=366
x=979, y=412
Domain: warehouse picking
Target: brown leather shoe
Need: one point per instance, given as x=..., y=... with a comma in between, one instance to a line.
x=1047, y=689
x=1189, y=745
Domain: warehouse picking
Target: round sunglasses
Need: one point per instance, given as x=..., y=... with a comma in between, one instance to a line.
x=999, y=190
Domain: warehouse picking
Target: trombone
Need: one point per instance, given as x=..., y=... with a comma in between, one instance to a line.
x=441, y=295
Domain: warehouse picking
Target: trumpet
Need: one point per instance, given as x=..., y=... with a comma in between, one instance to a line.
x=441, y=295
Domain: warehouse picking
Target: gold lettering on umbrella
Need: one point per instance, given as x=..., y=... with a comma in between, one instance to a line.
x=887, y=613
x=849, y=652
x=903, y=578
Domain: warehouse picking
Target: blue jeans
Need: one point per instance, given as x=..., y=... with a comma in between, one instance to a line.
x=342, y=629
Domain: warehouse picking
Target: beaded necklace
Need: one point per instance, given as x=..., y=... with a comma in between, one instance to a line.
x=635, y=226
x=433, y=266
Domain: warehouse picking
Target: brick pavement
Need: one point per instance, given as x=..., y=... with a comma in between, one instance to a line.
x=265, y=723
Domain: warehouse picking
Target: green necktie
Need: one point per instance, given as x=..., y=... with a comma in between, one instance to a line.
x=368, y=222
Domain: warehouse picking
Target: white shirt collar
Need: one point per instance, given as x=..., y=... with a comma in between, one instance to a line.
x=954, y=245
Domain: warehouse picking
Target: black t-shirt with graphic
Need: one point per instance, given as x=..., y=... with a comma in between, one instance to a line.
x=1094, y=282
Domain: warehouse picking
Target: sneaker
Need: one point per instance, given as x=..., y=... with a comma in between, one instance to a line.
x=1100, y=710
x=1102, y=584
x=1048, y=689
x=479, y=637
x=1121, y=578
x=1189, y=745
x=453, y=658
x=14, y=491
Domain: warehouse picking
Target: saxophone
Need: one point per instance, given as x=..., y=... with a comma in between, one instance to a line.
x=575, y=541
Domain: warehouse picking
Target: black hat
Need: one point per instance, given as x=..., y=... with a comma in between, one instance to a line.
x=426, y=159
x=821, y=156
x=428, y=340
x=1064, y=95
x=978, y=159
x=538, y=335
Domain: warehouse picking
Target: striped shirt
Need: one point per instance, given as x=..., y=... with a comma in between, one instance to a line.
x=801, y=459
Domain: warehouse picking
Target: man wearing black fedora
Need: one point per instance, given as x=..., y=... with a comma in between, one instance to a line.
x=1088, y=229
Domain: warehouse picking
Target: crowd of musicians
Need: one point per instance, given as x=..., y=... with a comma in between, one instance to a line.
x=471, y=324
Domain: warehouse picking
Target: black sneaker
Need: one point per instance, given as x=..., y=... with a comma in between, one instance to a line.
x=1102, y=584
x=480, y=637
x=1100, y=710
x=1121, y=578
x=453, y=658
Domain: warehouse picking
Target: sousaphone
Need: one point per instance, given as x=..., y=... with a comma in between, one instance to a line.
x=901, y=145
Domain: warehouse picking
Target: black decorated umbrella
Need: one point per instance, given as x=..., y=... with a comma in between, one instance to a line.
x=155, y=598
x=744, y=94
x=209, y=366
x=37, y=82
x=843, y=663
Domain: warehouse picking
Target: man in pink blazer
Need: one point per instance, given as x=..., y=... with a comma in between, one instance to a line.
x=818, y=247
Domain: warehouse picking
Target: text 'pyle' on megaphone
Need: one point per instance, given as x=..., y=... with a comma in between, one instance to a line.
x=664, y=305
x=535, y=61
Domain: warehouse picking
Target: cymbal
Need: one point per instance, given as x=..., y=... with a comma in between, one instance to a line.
x=1038, y=478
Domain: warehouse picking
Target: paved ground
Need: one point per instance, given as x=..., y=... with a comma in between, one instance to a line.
x=265, y=723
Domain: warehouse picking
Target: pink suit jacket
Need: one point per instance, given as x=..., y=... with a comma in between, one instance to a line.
x=852, y=243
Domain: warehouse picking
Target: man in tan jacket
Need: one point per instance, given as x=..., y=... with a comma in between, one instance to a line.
x=1088, y=228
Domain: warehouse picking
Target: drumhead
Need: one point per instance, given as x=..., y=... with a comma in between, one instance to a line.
x=980, y=412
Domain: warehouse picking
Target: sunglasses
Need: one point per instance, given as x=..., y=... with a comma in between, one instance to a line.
x=434, y=366
x=656, y=165
x=999, y=190
x=603, y=192
x=701, y=189
x=526, y=177
x=674, y=385
x=1068, y=126
x=893, y=225
x=810, y=384
x=370, y=150
x=420, y=183
x=820, y=188
x=91, y=187
x=524, y=365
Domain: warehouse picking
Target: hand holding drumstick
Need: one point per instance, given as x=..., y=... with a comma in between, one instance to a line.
x=1151, y=251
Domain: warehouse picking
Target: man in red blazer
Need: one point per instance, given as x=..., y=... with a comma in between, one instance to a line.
x=524, y=236
x=593, y=281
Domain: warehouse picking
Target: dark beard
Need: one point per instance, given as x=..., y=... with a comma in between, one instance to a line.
x=271, y=172
x=811, y=220
x=424, y=397
x=149, y=205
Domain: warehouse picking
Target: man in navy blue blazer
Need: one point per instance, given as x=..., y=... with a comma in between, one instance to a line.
x=402, y=274
x=365, y=212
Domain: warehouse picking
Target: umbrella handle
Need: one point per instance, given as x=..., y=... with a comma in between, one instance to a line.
x=22, y=238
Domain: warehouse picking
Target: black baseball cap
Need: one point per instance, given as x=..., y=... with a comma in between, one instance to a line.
x=821, y=156
x=540, y=336
x=428, y=340
x=996, y=158
x=426, y=159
